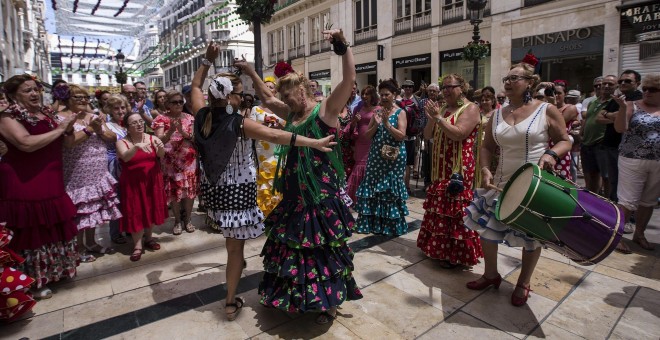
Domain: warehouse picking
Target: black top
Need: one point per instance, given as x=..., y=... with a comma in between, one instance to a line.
x=216, y=149
x=611, y=138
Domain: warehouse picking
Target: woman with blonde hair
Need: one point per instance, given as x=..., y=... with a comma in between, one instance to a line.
x=224, y=140
x=175, y=129
x=307, y=260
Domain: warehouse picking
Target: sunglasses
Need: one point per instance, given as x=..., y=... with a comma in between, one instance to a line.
x=514, y=78
x=176, y=102
x=625, y=81
x=501, y=98
x=449, y=87
x=650, y=89
x=80, y=98
x=239, y=94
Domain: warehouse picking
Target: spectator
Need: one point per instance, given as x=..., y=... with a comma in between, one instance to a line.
x=137, y=104
x=141, y=88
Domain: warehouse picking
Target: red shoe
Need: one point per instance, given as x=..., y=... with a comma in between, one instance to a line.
x=152, y=244
x=136, y=255
x=476, y=285
x=520, y=301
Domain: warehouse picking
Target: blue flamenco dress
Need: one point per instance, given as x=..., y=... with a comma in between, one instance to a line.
x=307, y=261
x=382, y=194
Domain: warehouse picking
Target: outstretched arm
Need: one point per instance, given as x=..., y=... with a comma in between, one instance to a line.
x=336, y=100
x=267, y=98
x=196, y=93
x=255, y=130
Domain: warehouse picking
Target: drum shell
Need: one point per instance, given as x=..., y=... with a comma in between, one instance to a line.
x=584, y=240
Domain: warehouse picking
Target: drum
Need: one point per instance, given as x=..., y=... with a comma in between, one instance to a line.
x=571, y=220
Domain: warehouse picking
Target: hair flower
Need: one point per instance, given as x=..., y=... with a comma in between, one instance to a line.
x=282, y=68
x=221, y=87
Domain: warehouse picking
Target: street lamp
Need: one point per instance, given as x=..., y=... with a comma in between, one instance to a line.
x=476, y=8
x=121, y=76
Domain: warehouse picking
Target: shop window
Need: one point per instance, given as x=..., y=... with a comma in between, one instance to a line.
x=366, y=20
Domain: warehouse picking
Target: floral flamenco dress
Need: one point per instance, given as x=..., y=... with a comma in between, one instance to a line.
x=382, y=194
x=179, y=164
x=266, y=198
x=15, y=298
x=89, y=183
x=35, y=206
x=443, y=234
x=307, y=260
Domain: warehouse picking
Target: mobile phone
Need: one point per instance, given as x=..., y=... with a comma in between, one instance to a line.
x=634, y=96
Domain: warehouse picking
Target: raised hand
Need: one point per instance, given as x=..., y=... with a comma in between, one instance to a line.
x=431, y=109
x=212, y=51
x=242, y=64
x=67, y=123
x=378, y=117
x=333, y=34
x=96, y=124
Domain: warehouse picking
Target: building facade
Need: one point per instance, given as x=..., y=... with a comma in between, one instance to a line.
x=186, y=27
x=421, y=40
x=149, y=53
x=24, y=45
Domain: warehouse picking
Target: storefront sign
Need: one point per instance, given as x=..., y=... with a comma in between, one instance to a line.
x=644, y=18
x=450, y=55
x=421, y=59
x=319, y=74
x=585, y=40
x=366, y=67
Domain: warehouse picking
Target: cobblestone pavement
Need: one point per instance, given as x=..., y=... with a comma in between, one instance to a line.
x=178, y=293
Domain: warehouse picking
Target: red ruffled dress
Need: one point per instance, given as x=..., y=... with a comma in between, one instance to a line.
x=36, y=208
x=443, y=234
x=15, y=298
x=563, y=167
x=143, y=201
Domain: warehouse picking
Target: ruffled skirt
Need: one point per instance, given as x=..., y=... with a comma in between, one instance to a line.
x=96, y=204
x=233, y=208
x=307, y=260
x=266, y=199
x=480, y=217
x=381, y=205
x=15, y=296
x=443, y=234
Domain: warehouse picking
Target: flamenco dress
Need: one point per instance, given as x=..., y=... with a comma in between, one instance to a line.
x=443, y=234
x=346, y=141
x=361, y=147
x=35, y=206
x=15, y=296
x=307, y=261
x=89, y=183
x=228, y=180
x=143, y=201
x=563, y=167
x=179, y=164
x=266, y=198
x=524, y=142
x=382, y=195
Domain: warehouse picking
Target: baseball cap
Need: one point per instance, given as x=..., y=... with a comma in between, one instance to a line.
x=573, y=94
x=186, y=89
x=408, y=83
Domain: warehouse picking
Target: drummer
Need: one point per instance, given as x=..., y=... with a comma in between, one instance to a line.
x=522, y=131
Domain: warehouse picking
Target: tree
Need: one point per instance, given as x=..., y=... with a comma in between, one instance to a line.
x=257, y=12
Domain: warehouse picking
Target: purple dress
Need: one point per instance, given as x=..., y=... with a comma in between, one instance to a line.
x=361, y=151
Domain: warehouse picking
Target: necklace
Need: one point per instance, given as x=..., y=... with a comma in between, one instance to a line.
x=131, y=139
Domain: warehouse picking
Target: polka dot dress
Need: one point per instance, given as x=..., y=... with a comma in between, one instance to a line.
x=232, y=201
x=382, y=195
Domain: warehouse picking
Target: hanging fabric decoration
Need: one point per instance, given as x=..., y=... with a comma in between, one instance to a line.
x=96, y=7
x=122, y=8
x=72, y=43
x=54, y=5
x=75, y=6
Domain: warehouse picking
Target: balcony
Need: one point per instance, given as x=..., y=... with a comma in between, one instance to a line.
x=402, y=24
x=319, y=46
x=366, y=34
x=220, y=35
x=422, y=20
x=275, y=57
x=453, y=13
x=528, y=3
x=27, y=39
x=297, y=52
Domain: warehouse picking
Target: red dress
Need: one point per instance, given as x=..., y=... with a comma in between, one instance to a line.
x=563, y=167
x=143, y=202
x=443, y=234
x=36, y=208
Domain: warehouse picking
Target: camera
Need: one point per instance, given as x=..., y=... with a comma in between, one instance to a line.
x=549, y=91
x=455, y=185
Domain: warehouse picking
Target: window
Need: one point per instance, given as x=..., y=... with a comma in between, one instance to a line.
x=422, y=6
x=366, y=20
x=319, y=22
x=402, y=8
x=296, y=40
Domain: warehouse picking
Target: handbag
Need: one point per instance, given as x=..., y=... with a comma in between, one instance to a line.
x=388, y=152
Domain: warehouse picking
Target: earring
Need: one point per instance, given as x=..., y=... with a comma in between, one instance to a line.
x=527, y=96
x=229, y=109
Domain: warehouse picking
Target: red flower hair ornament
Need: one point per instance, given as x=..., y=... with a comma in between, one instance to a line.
x=530, y=58
x=282, y=68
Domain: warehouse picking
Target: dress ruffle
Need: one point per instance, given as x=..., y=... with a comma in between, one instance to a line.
x=266, y=199
x=307, y=261
x=382, y=208
x=180, y=186
x=51, y=262
x=480, y=217
x=15, y=297
x=443, y=234
x=96, y=204
x=45, y=214
x=239, y=224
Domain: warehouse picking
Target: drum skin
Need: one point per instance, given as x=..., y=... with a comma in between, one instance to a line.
x=571, y=220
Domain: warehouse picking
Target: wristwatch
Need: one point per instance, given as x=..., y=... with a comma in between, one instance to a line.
x=206, y=62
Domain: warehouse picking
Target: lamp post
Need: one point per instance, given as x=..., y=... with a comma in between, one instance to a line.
x=121, y=77
x=476, y=8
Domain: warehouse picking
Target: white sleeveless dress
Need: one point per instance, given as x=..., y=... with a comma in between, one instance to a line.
x=524, y=142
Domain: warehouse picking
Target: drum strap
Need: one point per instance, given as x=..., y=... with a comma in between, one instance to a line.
x=441, y=145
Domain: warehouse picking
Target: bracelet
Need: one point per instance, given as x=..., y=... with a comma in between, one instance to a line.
x=206, y=62
x=553, y=154
x=89, y=134
x=339, y=47
x=293, y=139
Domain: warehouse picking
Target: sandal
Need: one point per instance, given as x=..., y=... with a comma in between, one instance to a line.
x=42, y=294
x=238, y=305
x=177, y=229
x=137, y=254
x=622, y=248
x=119, y=240
x=86, y=258
x=325, y=318
x=152, y=244
x=190, y=227
x=643, y=242
x=97, y=248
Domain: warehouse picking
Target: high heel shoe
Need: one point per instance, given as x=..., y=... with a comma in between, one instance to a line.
x=476, y=285
x=520, y=301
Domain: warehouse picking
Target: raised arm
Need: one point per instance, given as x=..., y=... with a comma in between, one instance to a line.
x=267, y=98
x=336, y=100
x=196, y=93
